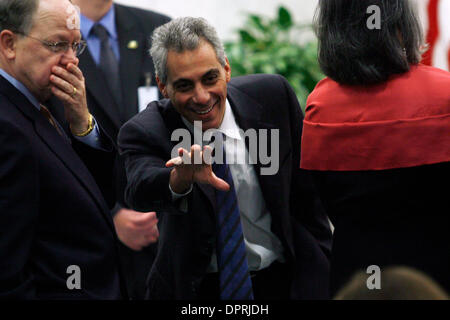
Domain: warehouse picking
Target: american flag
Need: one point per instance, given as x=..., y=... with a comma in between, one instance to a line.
x=436, y=20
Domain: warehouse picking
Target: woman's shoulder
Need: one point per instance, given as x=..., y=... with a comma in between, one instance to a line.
x=423, y=91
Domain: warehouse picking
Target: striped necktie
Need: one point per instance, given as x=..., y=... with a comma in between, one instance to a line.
x=235, y=282
x=52, y=121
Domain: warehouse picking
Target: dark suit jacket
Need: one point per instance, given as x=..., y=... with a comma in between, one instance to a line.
x=187, y=240
x=388, y=218
x=52, y=213
x=132, y=24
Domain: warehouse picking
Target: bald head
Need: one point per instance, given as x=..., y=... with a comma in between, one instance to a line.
x=30, y=56
x=51, y=9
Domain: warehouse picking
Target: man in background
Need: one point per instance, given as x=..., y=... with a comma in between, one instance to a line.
x=116, y=66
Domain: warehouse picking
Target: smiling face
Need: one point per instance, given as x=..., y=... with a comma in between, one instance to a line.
x=197, y=85
x=34, y=61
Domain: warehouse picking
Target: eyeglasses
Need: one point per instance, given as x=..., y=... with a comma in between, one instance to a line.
x=61, y=46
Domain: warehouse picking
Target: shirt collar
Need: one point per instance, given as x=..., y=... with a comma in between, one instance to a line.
x=19, y=86
x=228, y=126
x=108, y=21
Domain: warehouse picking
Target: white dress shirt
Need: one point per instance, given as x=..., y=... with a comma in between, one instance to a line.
x=262, y=245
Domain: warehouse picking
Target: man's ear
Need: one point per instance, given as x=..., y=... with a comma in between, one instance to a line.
x=162, y=87
x=8, y=44
x=227, y=68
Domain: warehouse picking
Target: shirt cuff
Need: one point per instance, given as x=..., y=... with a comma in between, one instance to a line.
x=93, y=138
x=177, y=196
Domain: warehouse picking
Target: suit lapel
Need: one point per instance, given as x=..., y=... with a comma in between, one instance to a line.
x=210, y=194
x=249, y=114
x=246, y=110
x=132, y=48
x=71, y=160
x=68, y=156
x=97, y=87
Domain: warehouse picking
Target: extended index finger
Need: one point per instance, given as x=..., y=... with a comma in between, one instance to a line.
x=177, y=161
x=174, y=162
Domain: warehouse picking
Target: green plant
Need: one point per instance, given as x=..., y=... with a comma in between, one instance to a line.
x=265, y=45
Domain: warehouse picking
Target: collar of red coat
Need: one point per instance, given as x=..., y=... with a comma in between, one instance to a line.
x=401, y=123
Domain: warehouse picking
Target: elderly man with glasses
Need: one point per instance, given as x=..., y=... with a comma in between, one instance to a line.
x=57, y=238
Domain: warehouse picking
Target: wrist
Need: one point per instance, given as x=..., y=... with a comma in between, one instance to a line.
x=178, y=184
x=84, y=128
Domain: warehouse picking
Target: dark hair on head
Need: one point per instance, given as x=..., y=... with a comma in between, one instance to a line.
x=17, y=15
x=353, y=54
x=184, y=33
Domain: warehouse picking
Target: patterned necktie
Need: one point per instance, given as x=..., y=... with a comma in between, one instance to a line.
x=52, y=121
x=108, y=64
x=235, y=282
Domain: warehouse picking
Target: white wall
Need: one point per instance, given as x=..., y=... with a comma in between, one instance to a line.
x=226, y=16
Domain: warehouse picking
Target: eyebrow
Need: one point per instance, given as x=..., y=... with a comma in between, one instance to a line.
x=181, y=81
x=208, y=73
x=211, y=72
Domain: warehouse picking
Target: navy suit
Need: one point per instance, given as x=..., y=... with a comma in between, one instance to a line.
x=52, y=213
x=187, y=240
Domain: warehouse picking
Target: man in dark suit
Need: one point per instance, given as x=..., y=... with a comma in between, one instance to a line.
x=128, y=32
x=239, y=230
x=57, y=238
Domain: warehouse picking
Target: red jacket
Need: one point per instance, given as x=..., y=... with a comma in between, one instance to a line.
x=403, y=122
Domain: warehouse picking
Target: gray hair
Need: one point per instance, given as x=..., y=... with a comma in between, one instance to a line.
x=180, y=35
x=17, y=15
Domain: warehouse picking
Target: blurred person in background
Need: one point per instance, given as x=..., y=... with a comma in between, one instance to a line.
x=376, y=138
x=119, y=73
x=396, y=283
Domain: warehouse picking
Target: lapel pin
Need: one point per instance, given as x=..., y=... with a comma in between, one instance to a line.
x=133, y=44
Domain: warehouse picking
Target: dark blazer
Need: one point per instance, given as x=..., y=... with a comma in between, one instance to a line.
x=52, y=213
x=187, y=240
x=132, y=24
x=388, y=218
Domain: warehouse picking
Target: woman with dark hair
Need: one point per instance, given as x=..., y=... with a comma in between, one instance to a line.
x=376, y=138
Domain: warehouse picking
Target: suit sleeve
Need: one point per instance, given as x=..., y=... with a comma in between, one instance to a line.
x=100, y=164
x=148, y=178
x=19, y=197
x=306, y=206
